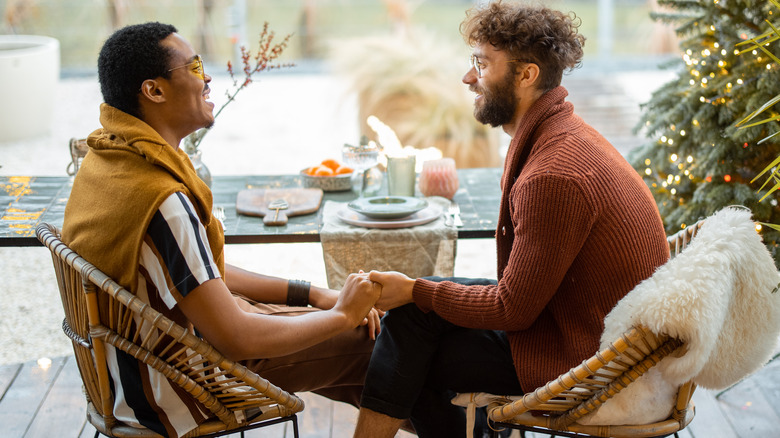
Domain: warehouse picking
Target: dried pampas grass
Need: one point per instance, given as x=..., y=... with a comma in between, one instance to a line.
x=412, y=82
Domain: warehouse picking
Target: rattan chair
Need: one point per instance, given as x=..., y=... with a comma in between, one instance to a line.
x=238, y=398
x=555, y=407
x=78, y=150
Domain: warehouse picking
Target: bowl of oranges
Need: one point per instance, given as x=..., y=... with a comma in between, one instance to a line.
x=329, y=175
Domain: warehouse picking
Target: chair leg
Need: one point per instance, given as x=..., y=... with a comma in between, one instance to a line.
x=295, y=425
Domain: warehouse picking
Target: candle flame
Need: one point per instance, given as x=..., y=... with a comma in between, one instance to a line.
x=386, y=136
x=391, y=145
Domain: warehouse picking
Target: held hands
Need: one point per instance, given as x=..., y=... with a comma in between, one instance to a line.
x=396, y=289
x=325, y=299
x=372, y=320
x=356, y=301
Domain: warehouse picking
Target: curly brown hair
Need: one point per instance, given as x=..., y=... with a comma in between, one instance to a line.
x=547, y=37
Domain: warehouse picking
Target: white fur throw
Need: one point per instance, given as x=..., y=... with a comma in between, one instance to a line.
x=717, y=296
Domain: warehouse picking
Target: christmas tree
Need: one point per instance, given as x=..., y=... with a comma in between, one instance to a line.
x=697, y=160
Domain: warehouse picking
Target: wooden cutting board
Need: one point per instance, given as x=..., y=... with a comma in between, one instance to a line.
x=254, y=202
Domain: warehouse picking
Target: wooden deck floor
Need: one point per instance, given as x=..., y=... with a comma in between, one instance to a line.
x=38, y=402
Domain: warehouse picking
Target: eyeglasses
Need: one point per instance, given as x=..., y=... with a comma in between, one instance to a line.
x=196, y=67
x=479, y=65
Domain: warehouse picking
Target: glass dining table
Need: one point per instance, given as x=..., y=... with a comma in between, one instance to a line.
x=26, y=201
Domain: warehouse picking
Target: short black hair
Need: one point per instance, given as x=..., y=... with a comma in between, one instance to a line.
x=130, y=56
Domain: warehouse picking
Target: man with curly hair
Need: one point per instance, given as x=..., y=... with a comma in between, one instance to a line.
x=577, y=230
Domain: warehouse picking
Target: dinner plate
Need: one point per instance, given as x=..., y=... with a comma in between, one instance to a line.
x=421, y=217
x=387, y=207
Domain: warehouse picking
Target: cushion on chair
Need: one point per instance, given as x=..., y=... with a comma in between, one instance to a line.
x=717, y=297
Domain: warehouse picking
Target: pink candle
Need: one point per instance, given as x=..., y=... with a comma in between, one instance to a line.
x=439, y=178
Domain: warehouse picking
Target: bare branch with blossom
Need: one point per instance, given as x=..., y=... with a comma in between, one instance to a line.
x=262, y=60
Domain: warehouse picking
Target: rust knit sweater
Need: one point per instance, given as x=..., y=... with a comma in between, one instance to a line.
x=577, y=230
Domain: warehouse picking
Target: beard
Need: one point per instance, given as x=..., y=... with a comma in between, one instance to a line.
x=498, y=102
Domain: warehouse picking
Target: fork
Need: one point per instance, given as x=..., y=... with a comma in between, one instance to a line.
x=219, y=213
x=454, y=211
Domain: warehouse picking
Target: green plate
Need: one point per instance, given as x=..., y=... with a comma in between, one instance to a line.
x=388, y=207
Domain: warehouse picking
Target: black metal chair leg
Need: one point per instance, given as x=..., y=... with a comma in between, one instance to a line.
x=295, y=426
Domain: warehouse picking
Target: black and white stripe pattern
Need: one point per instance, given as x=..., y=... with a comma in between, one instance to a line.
x=175, y=259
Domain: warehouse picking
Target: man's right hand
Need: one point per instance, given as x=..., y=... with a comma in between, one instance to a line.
x=357, y=298
x=396, y=289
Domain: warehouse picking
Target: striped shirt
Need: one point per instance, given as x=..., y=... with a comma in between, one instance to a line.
x=175, y=259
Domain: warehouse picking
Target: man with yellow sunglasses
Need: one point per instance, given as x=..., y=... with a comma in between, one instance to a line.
x=139, y=212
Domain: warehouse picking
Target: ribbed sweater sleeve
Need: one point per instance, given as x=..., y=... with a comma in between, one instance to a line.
x=551, y=226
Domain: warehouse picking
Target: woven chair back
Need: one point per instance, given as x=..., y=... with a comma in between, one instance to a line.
x=98, y=311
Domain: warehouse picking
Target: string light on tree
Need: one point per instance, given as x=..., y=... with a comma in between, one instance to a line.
x=693, y=146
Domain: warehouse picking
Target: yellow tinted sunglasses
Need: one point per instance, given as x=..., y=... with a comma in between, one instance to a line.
x=196, y=67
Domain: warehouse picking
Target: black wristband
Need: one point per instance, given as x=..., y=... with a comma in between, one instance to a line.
x=298, y=293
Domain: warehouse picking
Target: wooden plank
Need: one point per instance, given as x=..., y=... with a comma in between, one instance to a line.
x=749, y=412
x=7, y=376
x=685, y=433
x=770, y=383
x=709, y=420
x=316, y=420
x=88, y=431
x=64, y=408
x=22, y=400
x=344, y=419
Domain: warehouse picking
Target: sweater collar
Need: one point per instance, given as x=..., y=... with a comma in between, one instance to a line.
x=549, y=105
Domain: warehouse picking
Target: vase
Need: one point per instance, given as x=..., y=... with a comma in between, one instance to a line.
x=30, y=72
x=201, y=169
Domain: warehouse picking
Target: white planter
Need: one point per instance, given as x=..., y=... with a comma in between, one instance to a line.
x=29, y=72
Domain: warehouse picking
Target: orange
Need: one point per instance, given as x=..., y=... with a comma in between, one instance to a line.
x=323, y=171
x=343, y=169
x=331, y=164
x=310, y=171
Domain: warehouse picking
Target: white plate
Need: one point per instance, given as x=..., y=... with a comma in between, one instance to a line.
x=423, y=216
x=388, y=207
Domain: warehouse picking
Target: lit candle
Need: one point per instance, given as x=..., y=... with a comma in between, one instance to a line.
x=439, y=178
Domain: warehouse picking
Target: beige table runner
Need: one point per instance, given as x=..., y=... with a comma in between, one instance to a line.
x=420, y=251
